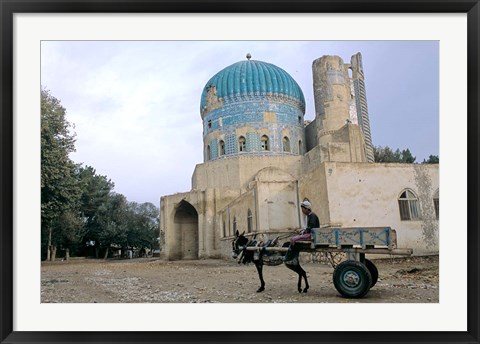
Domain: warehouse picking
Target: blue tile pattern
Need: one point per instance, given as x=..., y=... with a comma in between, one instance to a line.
x=253, y=78
x=248, y=90
x=251, y=111
x=214, y=149
x=253, y=141
x=230, y=144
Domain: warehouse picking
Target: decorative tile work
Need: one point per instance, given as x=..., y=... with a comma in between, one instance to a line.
x=275, y=135
x=253, y=141
x=213, y=149
x=243, y=102
x=252, y=78
x=230, y=144
x=251, y=112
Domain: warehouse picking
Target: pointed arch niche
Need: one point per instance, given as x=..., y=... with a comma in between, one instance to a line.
x=185, y=245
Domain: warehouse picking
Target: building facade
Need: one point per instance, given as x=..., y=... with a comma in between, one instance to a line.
x=261, y=159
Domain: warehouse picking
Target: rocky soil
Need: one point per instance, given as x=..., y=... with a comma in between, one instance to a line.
x=150, y=280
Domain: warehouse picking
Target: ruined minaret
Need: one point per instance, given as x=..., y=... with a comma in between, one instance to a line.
x=332, y=96
x=341, y=114
x=360, y=96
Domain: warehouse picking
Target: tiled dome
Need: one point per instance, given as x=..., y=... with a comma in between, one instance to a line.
x=252, y=78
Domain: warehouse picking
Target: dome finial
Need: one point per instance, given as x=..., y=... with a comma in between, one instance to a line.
x=249, y=56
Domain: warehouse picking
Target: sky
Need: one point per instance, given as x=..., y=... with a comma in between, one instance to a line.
x=135, y=105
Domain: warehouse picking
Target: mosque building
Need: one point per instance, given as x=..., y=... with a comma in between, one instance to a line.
x=261, y=159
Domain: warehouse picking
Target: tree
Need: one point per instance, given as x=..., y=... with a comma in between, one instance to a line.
x=143, y=225
x=383, y=154
x=95, y=192
x=386, y=154
x=70, y=229
x=59, y=187
x=407, y=157
x=432, y=159
x=113, y=222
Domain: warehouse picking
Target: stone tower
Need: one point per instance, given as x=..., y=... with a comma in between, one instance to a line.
x=341, y=114
x=360, y=105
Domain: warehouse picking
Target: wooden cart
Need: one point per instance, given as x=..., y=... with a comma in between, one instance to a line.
x=354, y=276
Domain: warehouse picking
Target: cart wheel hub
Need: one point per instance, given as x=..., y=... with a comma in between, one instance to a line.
x=351, y=278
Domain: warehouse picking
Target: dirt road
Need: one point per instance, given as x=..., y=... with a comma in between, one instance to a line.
x=406, y=280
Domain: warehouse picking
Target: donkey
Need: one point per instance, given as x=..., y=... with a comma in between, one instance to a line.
x=290, y=258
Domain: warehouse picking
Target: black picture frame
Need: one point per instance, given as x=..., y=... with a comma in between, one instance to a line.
x=10, y=7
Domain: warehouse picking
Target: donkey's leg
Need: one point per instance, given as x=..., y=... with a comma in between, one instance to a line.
x=259, y=266
x=294, y=267
x=304, y=274
x=299, y=284
x=301, y=273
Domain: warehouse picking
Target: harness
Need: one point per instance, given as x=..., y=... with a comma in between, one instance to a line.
x=271, y=258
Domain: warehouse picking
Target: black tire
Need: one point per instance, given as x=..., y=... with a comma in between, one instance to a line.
x=373, y=271
x=352, y=279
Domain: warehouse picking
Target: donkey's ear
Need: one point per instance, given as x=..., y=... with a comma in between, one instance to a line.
x=236, y=233
x=242, y=233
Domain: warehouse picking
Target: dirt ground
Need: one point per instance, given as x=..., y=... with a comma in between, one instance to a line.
x=151, y=280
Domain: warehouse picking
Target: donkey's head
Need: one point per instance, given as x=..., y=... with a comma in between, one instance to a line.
x=238, y=243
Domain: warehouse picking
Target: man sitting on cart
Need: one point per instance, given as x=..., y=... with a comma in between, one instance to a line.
x=312, y=222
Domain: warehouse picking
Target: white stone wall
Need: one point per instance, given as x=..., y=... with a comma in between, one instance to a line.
x=367, y=195
x=237, y=172
x=342, y=194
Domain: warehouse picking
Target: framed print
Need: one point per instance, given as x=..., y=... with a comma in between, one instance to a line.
x=423, y=56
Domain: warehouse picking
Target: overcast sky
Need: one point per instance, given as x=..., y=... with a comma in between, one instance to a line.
x=136, y=104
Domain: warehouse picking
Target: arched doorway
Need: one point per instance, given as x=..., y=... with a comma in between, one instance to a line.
x=186, y=231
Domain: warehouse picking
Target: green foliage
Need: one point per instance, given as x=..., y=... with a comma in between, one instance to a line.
x=385, y=154
x=407, y=157
x=112, y=218
x=95, y=194
x=95, y=190
x=70, y=229
x=59, y=188
x=77, y=204
x=143, y=225
x=432, y=159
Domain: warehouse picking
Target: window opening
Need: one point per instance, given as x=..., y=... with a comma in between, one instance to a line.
x=222, y=147
x=286, y=145
x=265, y=143
x=408, y=205
x=436, y=204
x=241, y=144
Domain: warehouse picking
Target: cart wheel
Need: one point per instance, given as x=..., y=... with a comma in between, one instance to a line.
x=352, y=279
x=373, y=271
